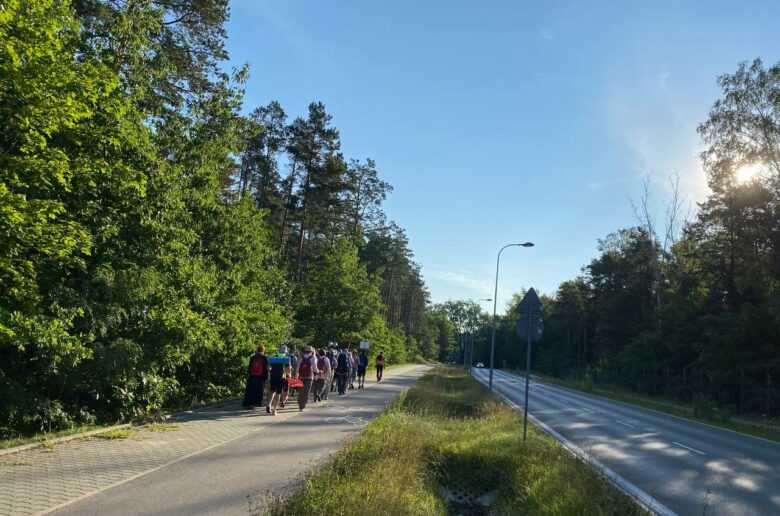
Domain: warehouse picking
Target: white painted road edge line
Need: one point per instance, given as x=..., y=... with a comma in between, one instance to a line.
x=624, y=423
x=645, y=500
x=689, y=448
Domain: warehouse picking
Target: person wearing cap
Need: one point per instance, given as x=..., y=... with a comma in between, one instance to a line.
x=307, y=370
x=257, y=374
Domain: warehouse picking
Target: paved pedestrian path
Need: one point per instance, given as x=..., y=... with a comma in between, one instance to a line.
x=216, y=461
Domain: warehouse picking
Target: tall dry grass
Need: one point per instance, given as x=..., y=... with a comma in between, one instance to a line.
x=447, y=427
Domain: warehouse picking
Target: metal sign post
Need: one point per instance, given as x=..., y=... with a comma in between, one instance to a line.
x=529, y=325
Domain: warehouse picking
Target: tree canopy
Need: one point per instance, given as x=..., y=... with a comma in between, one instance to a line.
x=151, y=234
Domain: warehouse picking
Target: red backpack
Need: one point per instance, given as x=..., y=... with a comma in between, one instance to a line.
x=256, y=366
x=304, y=370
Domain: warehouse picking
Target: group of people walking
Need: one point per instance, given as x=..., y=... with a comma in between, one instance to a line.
x=315, y=374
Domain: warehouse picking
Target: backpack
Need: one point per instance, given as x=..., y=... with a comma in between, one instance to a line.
x=277, y=371
x=363, y=360
x=256, y=366
x=305, y=369
x=342, y=362
x=278, y=364
x=321, y=364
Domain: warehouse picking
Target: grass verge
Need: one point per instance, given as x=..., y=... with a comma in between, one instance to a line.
x=48, y=437
x=444, y=431
x=673, y=408
x=44, y=437
x=117, y=433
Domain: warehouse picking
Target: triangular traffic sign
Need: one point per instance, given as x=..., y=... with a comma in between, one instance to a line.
x=532, y=303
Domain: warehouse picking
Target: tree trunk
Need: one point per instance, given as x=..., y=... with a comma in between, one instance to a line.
x=282, y=234
x=302, y=232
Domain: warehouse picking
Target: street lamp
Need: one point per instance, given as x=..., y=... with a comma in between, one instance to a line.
x=495, y=299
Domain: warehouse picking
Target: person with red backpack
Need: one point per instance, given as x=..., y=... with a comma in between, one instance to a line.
x=257, y=374
x=307, y=369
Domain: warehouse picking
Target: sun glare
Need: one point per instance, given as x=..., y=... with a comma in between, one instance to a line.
x=747, y=173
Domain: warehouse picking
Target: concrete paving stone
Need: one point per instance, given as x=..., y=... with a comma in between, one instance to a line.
x=83, y=466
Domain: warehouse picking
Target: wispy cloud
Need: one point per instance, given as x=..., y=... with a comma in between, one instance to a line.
x=648, y=116
x=460, y=278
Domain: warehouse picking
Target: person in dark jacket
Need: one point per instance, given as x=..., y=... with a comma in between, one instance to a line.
x=343, y=370
x=257, y=375
x=361, y=370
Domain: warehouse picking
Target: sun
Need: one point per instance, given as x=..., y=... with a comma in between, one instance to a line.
x=747, y=173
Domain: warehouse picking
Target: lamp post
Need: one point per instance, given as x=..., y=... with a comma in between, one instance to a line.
x=495, y=299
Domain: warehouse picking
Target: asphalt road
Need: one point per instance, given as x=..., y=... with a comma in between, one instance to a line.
x=690, y=467
x=233, y=478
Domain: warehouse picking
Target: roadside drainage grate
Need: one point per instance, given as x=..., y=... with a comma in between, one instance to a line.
x=463, y=500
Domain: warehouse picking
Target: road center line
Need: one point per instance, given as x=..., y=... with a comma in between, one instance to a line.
x=624, y=423
x=689, y=448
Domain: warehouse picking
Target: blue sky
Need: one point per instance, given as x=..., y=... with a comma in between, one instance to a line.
x=502, y=121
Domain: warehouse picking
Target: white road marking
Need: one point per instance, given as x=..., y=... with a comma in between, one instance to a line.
x=649, y=503
x=624, y=423
x=589, y=410
x=689, y=448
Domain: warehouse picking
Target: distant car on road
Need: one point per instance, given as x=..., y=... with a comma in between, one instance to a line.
x=480, y=364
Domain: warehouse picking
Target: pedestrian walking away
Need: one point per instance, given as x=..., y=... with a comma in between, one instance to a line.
x=321, y=377
x=307, y=370
x=327, y=374
x=291, y=373
x=361, y=369
x=343, y=371
x=380, y=365
x=257, y=374
x=294, y=362
x=353, y=362
x=332, y=357
x=280, y=369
